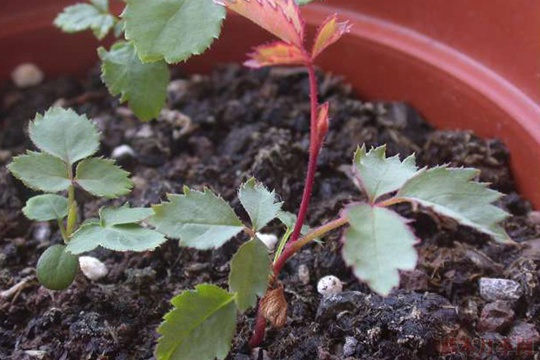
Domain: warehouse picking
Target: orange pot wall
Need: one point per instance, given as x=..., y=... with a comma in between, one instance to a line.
x=464, y=64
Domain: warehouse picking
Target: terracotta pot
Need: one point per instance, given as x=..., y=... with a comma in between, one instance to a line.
x=462, y=64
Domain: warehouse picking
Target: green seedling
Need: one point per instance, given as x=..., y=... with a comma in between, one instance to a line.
x=377, y=243
x=65, y=163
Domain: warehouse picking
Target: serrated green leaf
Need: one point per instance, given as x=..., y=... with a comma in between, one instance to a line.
x=379, y=175
x=40, y=171
x=303, y=2
x=172, y=30
x=46, y=207
x=200, y=220
x=452, y=192
x=123, y=215
x=64, y=134
x=377, y=244
x=56, y=269
x=201, y=326
x=144, y=86
x=101, y=177
x=259, y=203
x=128, y=237
x=80, y=17
x=250, y=270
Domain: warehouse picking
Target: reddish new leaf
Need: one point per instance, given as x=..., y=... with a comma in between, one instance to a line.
x=322, y=122
x=280, y=17
x=329, y=32
x=276, y=53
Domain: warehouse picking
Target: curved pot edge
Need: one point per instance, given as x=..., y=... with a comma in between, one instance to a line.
x=521, y=112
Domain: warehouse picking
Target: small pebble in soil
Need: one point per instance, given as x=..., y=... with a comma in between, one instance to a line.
x=27, y=75
x=270, y=240
x=499, y=289
x=329, y=285
x=123, y=152
x=492, y=289
x=303, y=274
x=36, y=354
x=42, y=231
x=92, y=268
x=496, y=317
x=349, y=348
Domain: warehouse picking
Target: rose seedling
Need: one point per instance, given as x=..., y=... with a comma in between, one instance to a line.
x=377, y=243
x=65, y=163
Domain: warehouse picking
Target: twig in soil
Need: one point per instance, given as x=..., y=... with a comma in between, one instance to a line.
x=17, y=288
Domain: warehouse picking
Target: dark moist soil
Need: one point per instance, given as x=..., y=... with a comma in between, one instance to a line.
x=220, y=130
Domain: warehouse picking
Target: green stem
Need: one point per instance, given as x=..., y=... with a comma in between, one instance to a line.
x=72, y=207
x=389, y=202
x=63, y=230
x=282, y=244
x=293, y=247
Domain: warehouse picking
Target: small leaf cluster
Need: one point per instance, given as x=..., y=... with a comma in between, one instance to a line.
x=67, y=142
x=379, y=242
x=202, y=323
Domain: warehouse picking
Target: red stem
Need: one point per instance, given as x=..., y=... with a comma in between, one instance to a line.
x=314, y=148
x=258, y=332
x=315, y=145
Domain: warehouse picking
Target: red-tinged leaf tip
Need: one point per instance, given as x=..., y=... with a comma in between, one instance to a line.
x=329, y=32
x=279, y=17
x=276, y=53
x=322, y=121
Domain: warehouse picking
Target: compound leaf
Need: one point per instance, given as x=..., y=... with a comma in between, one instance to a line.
x=64, y=134
x=328, y=33
x=452, y=192
x=46, y=207
x=279, y=17
x=250, y=270
x=40, y=171
x=172, y=30
x=377, y=244
x=80, y=17
x=56, y=269
x=144, y=86
x=276, y=53
x=201, y=326
x=379, y=175
x=101, y=177
x=259, y=203
x=115, y=231
x=200, y=220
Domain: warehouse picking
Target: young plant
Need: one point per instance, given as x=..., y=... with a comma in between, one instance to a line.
x=67, y=142
x=377, y=244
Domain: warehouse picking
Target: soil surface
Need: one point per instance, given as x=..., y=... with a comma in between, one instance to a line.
x=217, y=131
